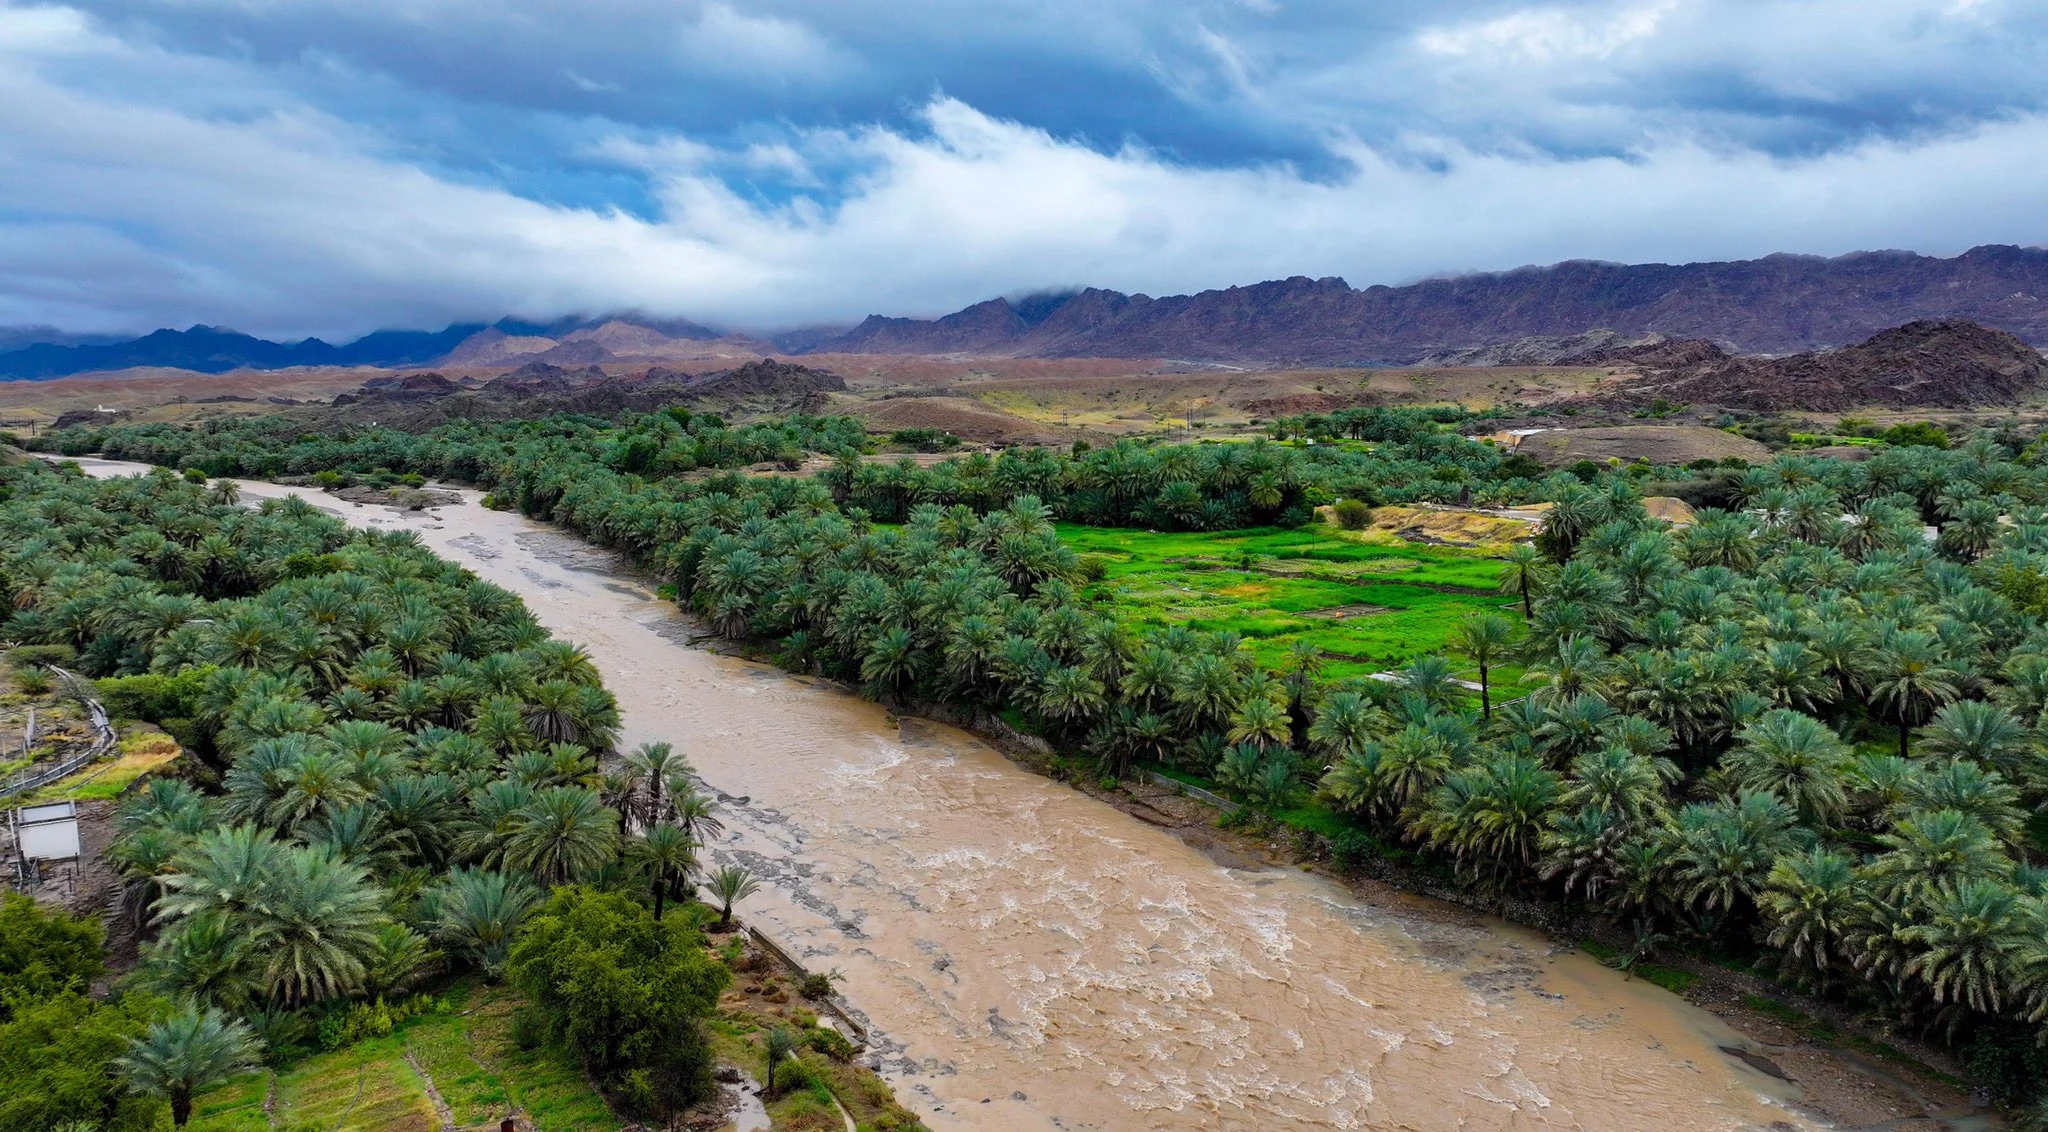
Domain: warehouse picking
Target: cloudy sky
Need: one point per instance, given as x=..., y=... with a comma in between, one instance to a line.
x=326, y=167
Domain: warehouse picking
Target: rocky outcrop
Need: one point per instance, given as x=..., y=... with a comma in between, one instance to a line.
x=539, y=388
x=401, y=388
x=1948, y=363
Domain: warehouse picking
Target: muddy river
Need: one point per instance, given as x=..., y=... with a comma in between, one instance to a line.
x=1031, y=958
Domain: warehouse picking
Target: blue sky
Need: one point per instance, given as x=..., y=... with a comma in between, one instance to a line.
x=307, y=166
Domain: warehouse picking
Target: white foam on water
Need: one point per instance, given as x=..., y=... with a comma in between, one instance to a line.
x=1269, y=924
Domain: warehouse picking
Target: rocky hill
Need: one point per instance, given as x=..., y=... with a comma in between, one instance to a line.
x=1949, y=363
x=539, y=388
x=1777, y=304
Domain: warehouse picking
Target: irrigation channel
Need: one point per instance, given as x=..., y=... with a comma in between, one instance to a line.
x=1031, y=958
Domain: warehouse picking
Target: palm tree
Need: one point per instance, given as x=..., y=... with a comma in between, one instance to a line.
x=397, y=960
x=1626, y=787
x=1971, y=937
x=1483, y=639
x=1429, y=679
x=1523, y=574
x=892, y=661
x=781, y=1042
x=1493, y=811
x=1260, y=723
x=1725, y=850
x=695, y=812
x=185, y=1054
x=651, y=767
x=1932, y=852
x=228, y=870
x=1070, y=696
x=564, y=834
x=1412, y=762
x=729, y=886
x=667, y=852
x=1795, y=757
x=1968, y=788
x=1973, y=729
x=208, y=958
x=317, y=928
x=1809, y=900
x=1913, y=676
x=1343, y=725
x=479, y=911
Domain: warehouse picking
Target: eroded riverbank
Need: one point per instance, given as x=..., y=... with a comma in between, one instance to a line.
x=1030, y=957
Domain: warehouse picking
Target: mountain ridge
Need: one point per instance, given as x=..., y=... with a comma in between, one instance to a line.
x=1780, y=303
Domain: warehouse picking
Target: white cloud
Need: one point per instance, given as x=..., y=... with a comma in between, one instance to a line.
x=1550, y=34
x=768, y=50
x=126, y=211
x=589, y=85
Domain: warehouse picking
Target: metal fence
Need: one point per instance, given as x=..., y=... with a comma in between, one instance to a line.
x=1179, y=787
x=80, y=689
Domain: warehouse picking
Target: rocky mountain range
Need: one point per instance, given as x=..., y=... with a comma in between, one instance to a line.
x=1775, y=305
x=507, y=342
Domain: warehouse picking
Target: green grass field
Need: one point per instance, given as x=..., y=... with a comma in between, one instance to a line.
x=1369, y=607
x=468, y=1052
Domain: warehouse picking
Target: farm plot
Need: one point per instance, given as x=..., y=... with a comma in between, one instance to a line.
x=1367, y=607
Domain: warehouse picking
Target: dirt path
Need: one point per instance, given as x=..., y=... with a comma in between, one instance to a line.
x=433, y=1094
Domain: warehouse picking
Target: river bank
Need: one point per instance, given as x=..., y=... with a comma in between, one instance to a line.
x=1029, y=956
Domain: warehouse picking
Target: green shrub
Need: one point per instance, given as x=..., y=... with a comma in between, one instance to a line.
x=1917, y=434
x=831, y=1043
x=153, y=697
x=1094, y=567
x=41, y=656
x=1353, y=514
x=195, y=475
x=817, y=985
x=32, y=680
x=1352, y=848
x=56, y=1064
x=44, y=952
x=359, y=1021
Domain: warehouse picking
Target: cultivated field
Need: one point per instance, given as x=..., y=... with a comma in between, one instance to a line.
x=1366, y=606
x=465, y=1054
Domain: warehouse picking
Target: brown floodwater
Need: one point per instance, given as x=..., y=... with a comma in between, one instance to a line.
x=1031, y=958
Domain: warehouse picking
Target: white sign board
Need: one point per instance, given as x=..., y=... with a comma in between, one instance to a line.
x=48, y=833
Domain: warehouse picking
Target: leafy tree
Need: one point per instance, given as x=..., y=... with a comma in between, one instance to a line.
x=43, y=953
x=57, y=1063
x=622, y=992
